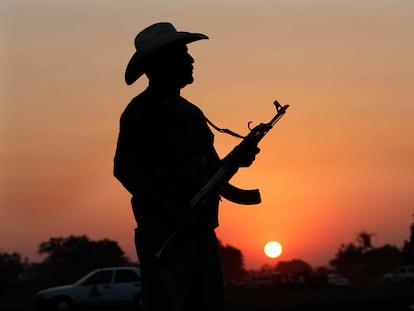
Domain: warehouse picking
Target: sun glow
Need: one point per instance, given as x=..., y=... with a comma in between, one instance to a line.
x=273, y=249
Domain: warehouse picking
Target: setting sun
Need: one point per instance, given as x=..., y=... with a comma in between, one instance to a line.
x=273, y=249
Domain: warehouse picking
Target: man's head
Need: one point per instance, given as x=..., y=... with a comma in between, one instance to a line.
x=171, y=66
x=161, y=53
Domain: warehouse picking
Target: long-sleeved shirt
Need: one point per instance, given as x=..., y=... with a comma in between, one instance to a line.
x=164, y=156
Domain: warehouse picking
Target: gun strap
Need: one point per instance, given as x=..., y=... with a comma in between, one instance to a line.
x=221, y=130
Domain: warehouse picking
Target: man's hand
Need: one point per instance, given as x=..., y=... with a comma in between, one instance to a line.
x=243, y=154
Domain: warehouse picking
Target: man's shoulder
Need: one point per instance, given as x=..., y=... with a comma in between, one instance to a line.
x=141, y=103
x=141, y=99
x=192, y=106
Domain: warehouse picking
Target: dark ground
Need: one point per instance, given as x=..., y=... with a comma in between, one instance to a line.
x=353, y=298
x=335, y=299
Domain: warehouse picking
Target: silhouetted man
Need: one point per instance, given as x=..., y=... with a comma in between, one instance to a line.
x=164, y=156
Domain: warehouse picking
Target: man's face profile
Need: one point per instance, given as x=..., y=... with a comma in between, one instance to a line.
x=172, y=65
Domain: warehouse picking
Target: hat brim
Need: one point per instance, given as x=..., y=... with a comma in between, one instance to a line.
x=135, y=68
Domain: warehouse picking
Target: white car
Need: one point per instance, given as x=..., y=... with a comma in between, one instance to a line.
x=336, y=280
x=404, y=274
x=112, y=286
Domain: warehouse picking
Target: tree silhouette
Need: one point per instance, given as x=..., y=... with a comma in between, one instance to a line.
x=361, y=260
x=408, y=247
x=232, y=262
x=67, y=259
x=348, y=260
x=364, y=240
x=11, y=267
x=294, y=267
x=378, y=260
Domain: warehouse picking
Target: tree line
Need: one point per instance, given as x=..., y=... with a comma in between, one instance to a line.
x=66, y=259
x=69, y=258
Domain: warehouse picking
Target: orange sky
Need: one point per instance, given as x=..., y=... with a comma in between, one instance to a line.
x=340, y=161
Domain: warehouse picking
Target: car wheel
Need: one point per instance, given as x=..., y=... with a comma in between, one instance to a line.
x=62, y=304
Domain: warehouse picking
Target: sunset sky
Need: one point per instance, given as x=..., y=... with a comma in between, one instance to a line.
x=340, y=161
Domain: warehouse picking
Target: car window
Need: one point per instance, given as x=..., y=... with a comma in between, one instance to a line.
x=126, y=276
x=101, y=277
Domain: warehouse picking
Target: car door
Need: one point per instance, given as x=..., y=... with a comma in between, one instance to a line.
x=96, y=289
x=126, y=285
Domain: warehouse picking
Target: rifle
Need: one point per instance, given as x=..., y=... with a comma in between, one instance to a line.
x=226, y=171
x=220, y=180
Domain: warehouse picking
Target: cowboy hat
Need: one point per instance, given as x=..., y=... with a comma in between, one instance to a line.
x=152, y=39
